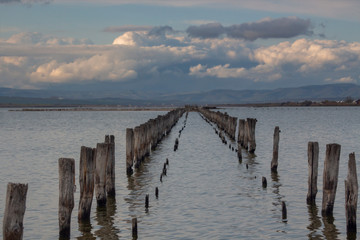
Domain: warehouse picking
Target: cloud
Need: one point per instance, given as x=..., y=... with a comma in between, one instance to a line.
x=209, y=30
x=171, y=59
x=34, y=38
x=26, y=2
x=160, y=31
x=127, y=28
x=267, y=28
x=341, y=80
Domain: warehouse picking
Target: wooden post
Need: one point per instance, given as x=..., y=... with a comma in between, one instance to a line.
x=284, y=211
x=330, y=178
x=157, y=192
x=351, y=194
x=86, y=180
x=241, y=132
x=134, y=228
x=313, y=162
x=100, y=173
x=264, y=182
x=147, y=201
x=251, y=134
x=110, y=168
x=14, y=211
x=274, y=161
x=66, y=194
x=129, y=150
x=246, y=138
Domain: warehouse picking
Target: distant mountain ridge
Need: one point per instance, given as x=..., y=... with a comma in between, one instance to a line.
x=221, y=96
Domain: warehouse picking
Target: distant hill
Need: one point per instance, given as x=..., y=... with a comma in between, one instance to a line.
x=313, y=93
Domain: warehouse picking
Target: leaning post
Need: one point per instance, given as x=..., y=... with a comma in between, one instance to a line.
x=351, y=195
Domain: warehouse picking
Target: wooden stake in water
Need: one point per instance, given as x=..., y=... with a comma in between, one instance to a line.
x=274, y=161
x=129, y=150
x=14, y=211
x=251, y=134
x=86, y=180
x=100, y=173
x=66, y=194
x=134, y=228
x=351, y=194
x=264, y=182
x=110, y=168
x=284, y=211
x=313, y=163
x=330, y=178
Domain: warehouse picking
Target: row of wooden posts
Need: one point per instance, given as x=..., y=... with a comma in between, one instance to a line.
x=246, y=137
x=96, y=172
x=144, y=138
x=228, y=124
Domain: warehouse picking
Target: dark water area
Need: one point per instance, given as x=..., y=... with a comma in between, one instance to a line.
x=207, y=193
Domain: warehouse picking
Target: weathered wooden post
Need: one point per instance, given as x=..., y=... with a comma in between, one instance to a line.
x=274, y=161
x=313, y=163
x=110, y=168
x=66, y=194
x=351, y=194
x=330, y=178
x=246, y=137
x=129, y=150
x=134, y=228
x=86, y=180
x=14, y=211
x=251, y=134
x=100, y=173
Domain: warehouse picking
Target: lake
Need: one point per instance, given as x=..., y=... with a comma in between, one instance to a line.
x=207, y=193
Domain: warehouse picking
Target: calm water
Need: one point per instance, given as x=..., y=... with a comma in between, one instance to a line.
x=207, y=193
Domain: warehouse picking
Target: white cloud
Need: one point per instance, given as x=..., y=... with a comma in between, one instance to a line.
x=168, y=56
x=341, y=80
x=35, y=38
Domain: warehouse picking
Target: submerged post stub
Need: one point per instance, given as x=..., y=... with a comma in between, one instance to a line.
x=283, y=211
x=14, y=211
x=264, y=182
x=134, y=228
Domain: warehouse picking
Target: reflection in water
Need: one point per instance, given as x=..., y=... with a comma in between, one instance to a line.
x=315, y=222
x=85, y=229
x=105, y=219
x=276, y=190
x=330, y=231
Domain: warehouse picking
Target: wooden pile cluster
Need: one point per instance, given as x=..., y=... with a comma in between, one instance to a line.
x=223, y=121
x=246, y=134
x=144, y=138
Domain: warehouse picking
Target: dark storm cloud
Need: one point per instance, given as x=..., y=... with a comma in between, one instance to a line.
x=268, y=28
x=160, y=31
x=209, y=30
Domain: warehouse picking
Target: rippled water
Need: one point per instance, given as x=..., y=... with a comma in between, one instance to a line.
x=207, y=193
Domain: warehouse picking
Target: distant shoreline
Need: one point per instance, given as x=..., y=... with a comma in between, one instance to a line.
x=48, y=108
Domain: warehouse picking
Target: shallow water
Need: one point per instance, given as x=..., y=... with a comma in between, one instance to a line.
x=207, y=193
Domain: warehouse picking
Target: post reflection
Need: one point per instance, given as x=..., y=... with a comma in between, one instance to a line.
x=105, y=219
x=85, y=228
x=330, y=231
x=315, y=222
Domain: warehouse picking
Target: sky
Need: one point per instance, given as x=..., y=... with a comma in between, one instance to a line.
x=178, y=46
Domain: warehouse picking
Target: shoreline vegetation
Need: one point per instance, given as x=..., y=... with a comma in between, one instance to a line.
x=30, y=107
